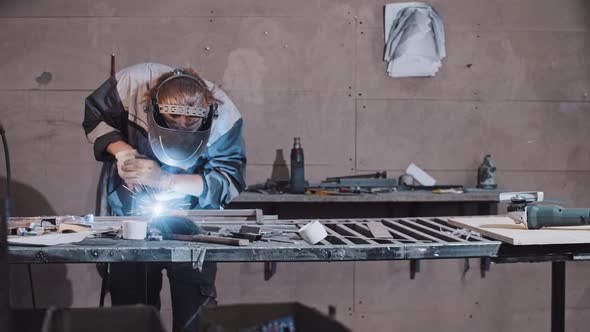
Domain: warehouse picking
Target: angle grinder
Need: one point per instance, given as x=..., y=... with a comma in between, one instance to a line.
x=524, y=209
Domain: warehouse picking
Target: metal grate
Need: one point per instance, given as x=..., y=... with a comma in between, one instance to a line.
x=402, y=231
x=347, y=240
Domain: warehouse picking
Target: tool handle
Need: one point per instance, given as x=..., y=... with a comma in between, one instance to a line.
x=377, y=175
x=553, y=216
x=113, y=71
x=208, y=239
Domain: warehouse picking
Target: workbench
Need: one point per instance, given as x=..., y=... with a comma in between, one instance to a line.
x=395, y=204
x=348, y=240
x=413, y=239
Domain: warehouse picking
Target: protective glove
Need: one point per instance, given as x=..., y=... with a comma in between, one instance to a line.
x=146, y=172
x=122, y=157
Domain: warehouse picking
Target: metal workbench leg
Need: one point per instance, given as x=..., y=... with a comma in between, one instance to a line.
x=145, y=282
x=558, y=296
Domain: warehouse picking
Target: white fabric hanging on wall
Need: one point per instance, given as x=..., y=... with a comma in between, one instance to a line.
x=414, y=40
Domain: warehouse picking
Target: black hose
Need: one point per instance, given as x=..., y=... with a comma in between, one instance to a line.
x=5, y=313
x=32, y=286
x=8, y=175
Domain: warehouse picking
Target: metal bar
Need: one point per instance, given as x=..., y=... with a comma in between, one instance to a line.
x=414, y=268
x=484, y=266
x=280, y=252
x=378, y=230
x=558, y=296
x=434, y=223
x=228, y=216
x=144, y=270
x=333, y=234
x=411, y=230
x=364, y=229
x=432, y=231
x=344, y=228
x=31, y=286
x=270, y=269
x=400, y=234
x=104, y=284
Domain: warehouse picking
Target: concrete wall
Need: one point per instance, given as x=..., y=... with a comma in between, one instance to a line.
x=515, y=84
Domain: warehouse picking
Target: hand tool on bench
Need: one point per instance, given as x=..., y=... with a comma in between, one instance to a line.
x=208, y=239
x=378, y=175
x=523, y=209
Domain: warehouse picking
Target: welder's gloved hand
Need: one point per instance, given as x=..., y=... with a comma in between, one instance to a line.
x=122, y=157
x=146, y=172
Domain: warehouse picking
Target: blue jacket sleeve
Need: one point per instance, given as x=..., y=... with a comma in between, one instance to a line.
x=223, y=172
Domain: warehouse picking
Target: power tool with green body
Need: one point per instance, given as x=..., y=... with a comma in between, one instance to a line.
x=523, y=210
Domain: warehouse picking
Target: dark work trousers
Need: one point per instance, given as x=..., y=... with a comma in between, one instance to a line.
x=189, y=288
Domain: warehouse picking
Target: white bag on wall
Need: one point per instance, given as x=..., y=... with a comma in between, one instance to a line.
x=414, y=40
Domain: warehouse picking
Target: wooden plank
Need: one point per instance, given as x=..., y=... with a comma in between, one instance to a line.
x=48, y=239
x=378, y=230
x=504, y=229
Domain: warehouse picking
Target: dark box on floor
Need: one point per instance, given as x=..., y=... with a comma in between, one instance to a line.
x=137, y=318
x=271, y=317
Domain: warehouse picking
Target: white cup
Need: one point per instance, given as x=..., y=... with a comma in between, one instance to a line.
x=313, y=232
x=134, y=230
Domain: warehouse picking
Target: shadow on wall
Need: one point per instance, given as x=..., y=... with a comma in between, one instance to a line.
x=280, y=170
x=51, y=287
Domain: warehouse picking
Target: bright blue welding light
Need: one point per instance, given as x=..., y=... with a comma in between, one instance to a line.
x=158, y=208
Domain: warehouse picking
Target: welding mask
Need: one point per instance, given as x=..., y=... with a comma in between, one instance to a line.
x=173, y=145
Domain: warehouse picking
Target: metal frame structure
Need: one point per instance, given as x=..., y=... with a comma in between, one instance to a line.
x=348, y=240
x=412, y=239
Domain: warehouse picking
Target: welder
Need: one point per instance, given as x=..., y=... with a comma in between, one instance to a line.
x=165, y=134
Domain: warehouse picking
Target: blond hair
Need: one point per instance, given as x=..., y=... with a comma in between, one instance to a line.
x=182, y=90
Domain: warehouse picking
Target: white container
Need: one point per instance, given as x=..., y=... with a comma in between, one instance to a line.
x=313, y=232
x=134, y=230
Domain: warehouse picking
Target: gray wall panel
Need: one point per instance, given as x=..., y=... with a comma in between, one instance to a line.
x=569, y=189
x=205, y=8
x=519, y=135
x=276, y=53
x=259, y=173
x=394, y=133
x=446, y=294
x=478, y=15
x=501, y=65
x=325, y=123
x=293, y=282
